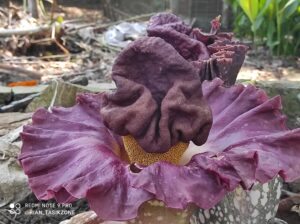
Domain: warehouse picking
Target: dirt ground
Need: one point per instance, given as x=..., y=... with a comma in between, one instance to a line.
x=258, y=66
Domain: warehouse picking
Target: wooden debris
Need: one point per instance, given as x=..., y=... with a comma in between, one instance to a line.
x=20, y=71
x=24, y=31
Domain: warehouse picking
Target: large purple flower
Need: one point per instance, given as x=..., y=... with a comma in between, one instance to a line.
x=77, y=152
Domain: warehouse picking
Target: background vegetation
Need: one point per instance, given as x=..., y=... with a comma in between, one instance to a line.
x=274, y=24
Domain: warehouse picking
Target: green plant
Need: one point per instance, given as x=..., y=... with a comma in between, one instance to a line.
x=285, y=22
x=255, y=10
x=274, y=23
x=241, y=23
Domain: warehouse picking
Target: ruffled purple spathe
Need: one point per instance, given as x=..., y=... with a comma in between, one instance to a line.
x=69, y=153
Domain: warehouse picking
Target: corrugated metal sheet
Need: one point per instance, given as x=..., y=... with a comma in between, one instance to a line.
x=202, y=10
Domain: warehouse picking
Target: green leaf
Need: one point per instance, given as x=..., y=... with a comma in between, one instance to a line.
x=271, y=10
x=296, y=28
x=245, y=7
x=271, y=43
x=289, y=8
x=257, y=23
x=250, y=7
x=254, y=7
x=271, y=31
x=264, y=7
x=263, y=4
x=275, y=43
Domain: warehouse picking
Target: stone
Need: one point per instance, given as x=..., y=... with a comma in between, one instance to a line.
x=13, y=182
x=63, y=94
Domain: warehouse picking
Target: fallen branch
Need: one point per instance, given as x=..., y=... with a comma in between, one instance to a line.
x=35, y=60
x=106, y=25
x=24, y=31
x=12, y=69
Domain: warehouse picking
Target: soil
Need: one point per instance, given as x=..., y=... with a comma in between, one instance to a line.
x=261, y=67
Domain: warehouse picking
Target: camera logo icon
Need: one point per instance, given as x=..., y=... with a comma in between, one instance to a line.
x=15, y=209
